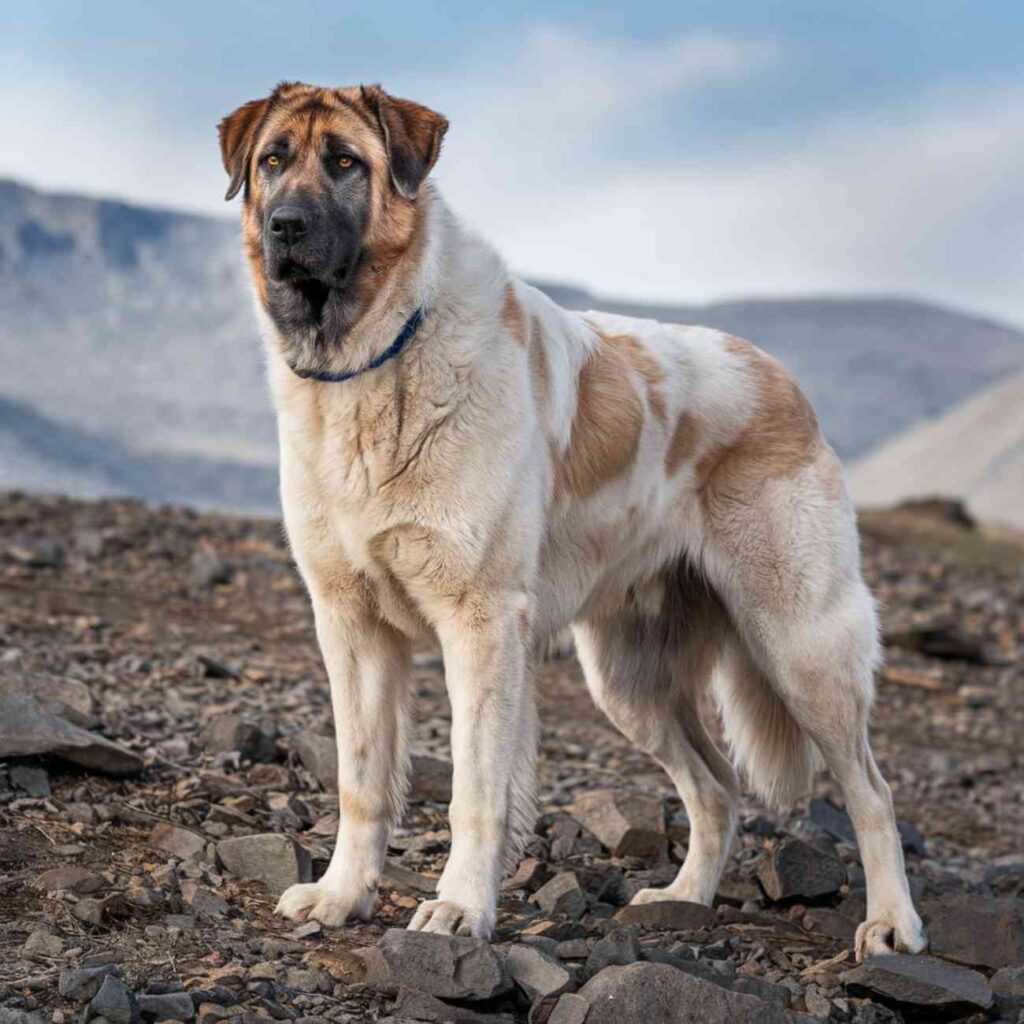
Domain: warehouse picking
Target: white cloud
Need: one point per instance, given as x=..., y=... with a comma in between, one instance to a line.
x=560, y=153
x=916, y=200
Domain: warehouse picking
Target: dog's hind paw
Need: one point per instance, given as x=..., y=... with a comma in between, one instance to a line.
x=883, y=935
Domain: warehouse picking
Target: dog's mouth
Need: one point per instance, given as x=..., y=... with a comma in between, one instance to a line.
x=314, y=290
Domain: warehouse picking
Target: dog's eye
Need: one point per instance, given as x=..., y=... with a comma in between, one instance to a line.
x=272, y=161
x=345, y=162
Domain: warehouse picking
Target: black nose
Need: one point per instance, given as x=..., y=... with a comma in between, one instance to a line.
x=288, y=223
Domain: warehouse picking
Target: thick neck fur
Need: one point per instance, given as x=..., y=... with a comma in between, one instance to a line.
x=459, y=281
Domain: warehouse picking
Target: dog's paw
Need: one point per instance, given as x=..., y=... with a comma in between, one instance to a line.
x=667, y=896
x=883, y=935
x=445, y=917
x=318, y=902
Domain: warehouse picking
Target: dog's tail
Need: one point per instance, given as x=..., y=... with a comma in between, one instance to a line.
x=776, y=757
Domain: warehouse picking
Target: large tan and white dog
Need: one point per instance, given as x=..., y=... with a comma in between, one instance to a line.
x=462, y=459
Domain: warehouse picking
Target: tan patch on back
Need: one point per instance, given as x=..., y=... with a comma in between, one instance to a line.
x=780, y=440
x=645, y=363
x=512, y=316
x=682, y=444
x=606, y=431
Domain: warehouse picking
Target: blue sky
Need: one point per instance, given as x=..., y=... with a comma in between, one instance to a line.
x=681, y=152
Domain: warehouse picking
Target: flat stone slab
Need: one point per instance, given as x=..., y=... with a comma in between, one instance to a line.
x=659, y=994
x=27, y=730
x=920, y=981
x=273, y=859
x=668, y=915
x=977, y=930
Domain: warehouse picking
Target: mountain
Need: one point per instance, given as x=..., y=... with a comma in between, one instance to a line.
x=974, y=452
x=132, y=328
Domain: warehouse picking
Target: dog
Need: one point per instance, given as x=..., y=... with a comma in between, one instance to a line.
x=465, y=461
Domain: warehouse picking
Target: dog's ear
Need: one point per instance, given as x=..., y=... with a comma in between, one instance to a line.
x=237, y=137
x=412, y=135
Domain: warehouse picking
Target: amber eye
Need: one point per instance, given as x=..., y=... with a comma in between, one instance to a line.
x=345, y=162
x=273, y=161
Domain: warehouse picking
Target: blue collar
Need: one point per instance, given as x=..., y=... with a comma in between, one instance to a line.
x=406, y=335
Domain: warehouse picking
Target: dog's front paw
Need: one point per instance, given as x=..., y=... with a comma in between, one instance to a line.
x=446, y=917
x=318, y=902
x=884, y=935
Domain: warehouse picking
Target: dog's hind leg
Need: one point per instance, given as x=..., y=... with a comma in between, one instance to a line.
x=647, y=672
x=784, y=556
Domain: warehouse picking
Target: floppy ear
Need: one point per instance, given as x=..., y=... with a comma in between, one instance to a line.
x=237, y=136
x=412, y=135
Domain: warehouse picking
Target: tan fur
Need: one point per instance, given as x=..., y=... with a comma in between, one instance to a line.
x=540, y=374
x=682, y=444
x=644, y=363
x=512, y=316
x=606, y=431
x=781, y=439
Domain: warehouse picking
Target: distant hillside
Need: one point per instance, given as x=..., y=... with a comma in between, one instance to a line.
x=134, y=326
x=975, y=452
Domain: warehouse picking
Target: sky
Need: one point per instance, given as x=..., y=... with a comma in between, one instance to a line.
x=672, y=151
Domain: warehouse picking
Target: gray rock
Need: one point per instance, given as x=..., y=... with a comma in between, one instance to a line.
x=203, y=901
x=626, y=823
x=762, y=989
x=911, y=838
x=534, y=973
x=30, y=780
x=562, y=895
x=175, y=841
x=167, y=1006
x=1008, y=986
x=793, y=868
x=209, y=570
x=9, y=1015
x=114, y=1002
x=529, y=876
x=42, y=943
x=617, y=949
x=832, y=820
x=70, y=878
x=570, y=1009
x=419, y=1006
x=920, y=981
x=657, y=994
x=62, y=696
x=976, y=930
x=308, y=979
x=430, y=778
x=82, y=984
x=224, y=734
x=27, y=729
x=445, y=966
x=37, y=552
x=668, y=915
x=319, y=756
x=277, y=861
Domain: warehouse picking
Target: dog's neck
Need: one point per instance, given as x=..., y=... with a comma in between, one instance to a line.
x=455, y=278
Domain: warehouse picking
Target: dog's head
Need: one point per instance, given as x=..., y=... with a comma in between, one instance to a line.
x=330, y=179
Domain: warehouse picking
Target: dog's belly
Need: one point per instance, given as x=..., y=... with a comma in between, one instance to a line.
x=598, y=563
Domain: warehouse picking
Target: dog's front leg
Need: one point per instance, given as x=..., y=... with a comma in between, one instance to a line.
x=485, y=646
x=369, y=664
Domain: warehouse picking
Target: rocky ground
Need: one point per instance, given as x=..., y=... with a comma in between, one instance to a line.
x=159, y=677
